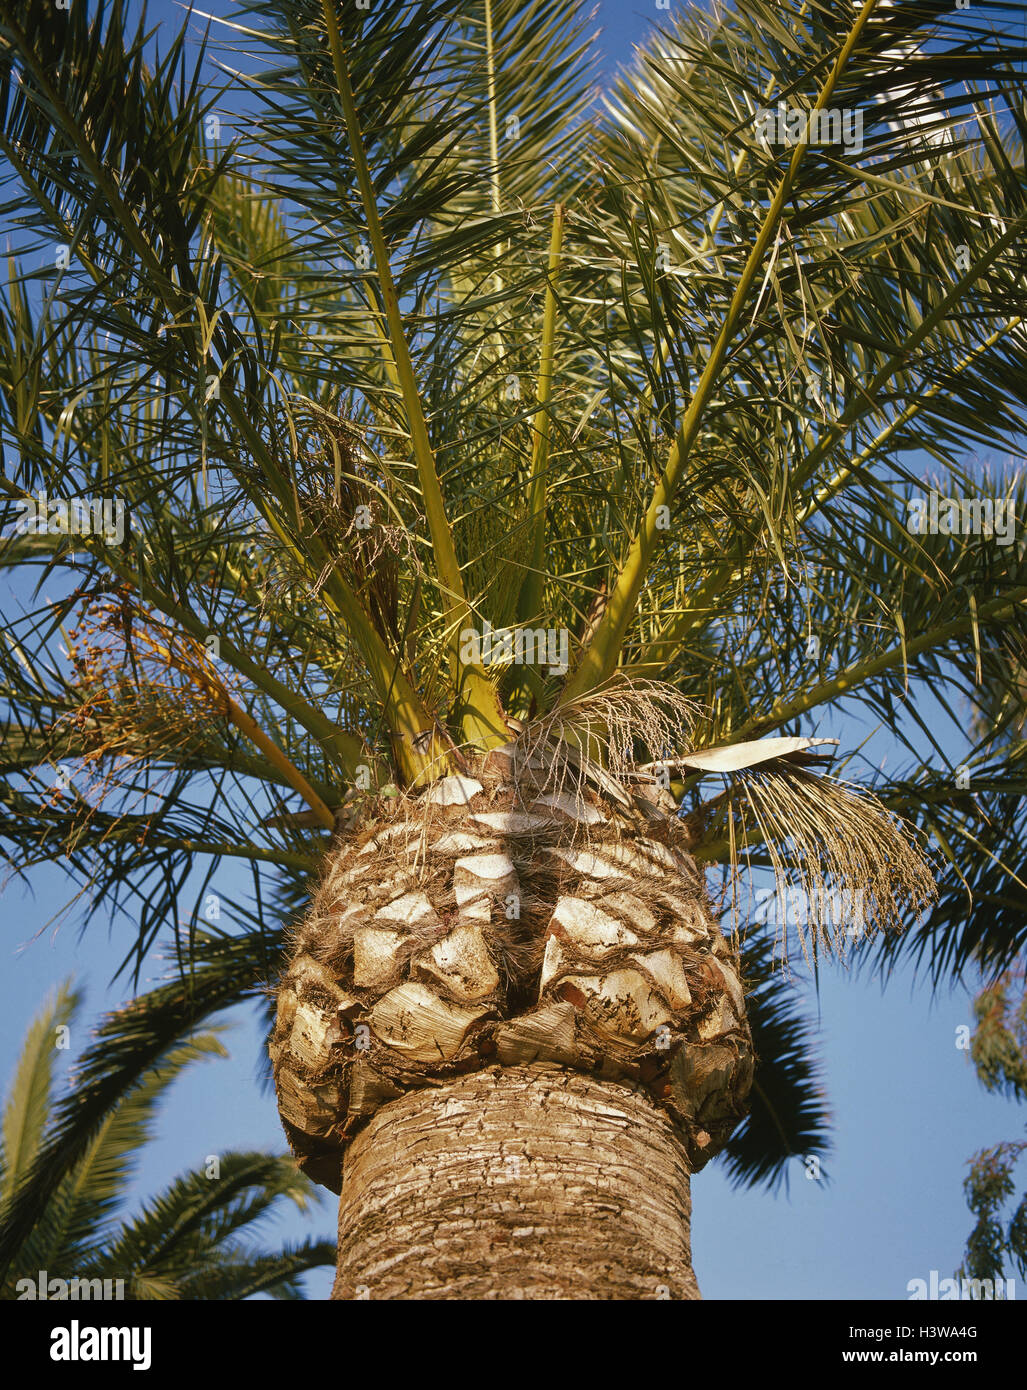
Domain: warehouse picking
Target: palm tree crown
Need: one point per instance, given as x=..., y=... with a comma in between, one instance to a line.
x=423, y=365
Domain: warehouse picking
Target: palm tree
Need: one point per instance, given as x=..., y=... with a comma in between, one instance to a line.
x=497, y=473
x=182, y=1243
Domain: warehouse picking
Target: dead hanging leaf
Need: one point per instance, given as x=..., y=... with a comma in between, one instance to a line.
x=857, y=867
x=734, y=757
x=592, y=740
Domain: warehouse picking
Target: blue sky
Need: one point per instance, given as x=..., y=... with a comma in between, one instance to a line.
x=908, y=1111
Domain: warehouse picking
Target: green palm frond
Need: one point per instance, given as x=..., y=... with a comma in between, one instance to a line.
x=130, y=1042
x=788, y=1116
x=27, y=1109
x=277, y=1275
x=973, y=815
x=180, y=1236
x=91, y=1194
x=192, y=1240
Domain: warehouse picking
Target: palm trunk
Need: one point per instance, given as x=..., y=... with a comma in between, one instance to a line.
x=528, y=1182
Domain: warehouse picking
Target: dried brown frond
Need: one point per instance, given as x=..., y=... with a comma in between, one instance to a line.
x=603, y=736
x=849, y=866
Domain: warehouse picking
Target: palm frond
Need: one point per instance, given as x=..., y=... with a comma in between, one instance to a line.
x=29, y=1097
x=174, y=1246
x=788, y=1116
x=129, y=1042
x=89, y=1198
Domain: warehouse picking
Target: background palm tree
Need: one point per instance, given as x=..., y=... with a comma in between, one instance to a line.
x=434, y=345
x=193, y=1240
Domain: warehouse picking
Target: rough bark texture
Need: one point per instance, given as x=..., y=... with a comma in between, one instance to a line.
x=490, y=921
x=517, y=1182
